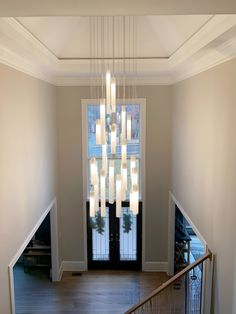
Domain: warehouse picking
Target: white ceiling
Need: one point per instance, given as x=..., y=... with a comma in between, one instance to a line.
x=107, y=7
x=157, y=36
x=175, y=47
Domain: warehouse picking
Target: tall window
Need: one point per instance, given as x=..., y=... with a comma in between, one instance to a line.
x=133, y=146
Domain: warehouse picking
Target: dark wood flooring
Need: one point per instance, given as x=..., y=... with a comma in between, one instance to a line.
x=98, y=292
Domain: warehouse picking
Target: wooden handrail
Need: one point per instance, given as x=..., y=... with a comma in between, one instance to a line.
x=170, y=281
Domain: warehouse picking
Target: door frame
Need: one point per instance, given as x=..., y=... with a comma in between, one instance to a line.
x=84, y=132
x=120, y=265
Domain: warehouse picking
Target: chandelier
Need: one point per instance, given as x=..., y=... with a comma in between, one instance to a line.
x=112, y=67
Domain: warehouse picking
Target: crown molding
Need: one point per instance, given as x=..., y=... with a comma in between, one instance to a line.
x=20, y=30
x=176, y=78
x=213, y=28
x=18, y=63
x=226, y=52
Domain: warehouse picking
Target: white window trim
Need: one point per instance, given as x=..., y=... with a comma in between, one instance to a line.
x=84, y=125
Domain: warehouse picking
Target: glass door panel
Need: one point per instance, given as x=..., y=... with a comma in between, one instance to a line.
x=128, y=236
x=115, y=243
x=100, y=237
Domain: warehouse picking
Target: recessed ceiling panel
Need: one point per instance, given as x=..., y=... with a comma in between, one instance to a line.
x=157, y=36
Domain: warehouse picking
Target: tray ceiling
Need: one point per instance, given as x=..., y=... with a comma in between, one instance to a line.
x=157, y=36
x=170, y=48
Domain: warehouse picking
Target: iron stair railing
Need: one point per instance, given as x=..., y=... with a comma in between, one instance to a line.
x=178, y=294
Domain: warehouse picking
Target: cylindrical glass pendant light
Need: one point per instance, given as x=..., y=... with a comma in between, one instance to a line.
x=96, y=196
x=134, y=176
x=113, y=138
x=132, y=163
x=123, y=123
x=124, y=181
x=111, y=181
x=103, y=120
x=118, y=195
x=92, y=204
x=104, y=158
x=93, y=171
x=98, y=132
x=134, y=199
x=113, y=95
x=108, y=91
x=129, y=127
x=131, y=200
x=103, y=193
x=123, y=152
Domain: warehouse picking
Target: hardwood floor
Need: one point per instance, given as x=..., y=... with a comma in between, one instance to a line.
x=99, y=292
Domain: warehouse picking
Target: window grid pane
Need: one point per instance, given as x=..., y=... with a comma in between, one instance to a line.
x=133, y=146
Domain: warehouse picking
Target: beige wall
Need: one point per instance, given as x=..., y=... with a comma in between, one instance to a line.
x=157, y=170
x=70, y=170
x=27, y=163
x=204, y=167
x=158, y=118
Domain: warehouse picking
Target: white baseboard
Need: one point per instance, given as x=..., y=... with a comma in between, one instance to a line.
x=73, y=266
x=155, y=266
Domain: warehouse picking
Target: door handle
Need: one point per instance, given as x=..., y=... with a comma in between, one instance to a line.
x=111, y=238
x=117, y=237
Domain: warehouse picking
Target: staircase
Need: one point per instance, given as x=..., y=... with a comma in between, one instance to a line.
x=189, y=291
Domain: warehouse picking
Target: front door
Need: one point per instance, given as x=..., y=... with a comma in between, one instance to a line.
x=115, y=243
